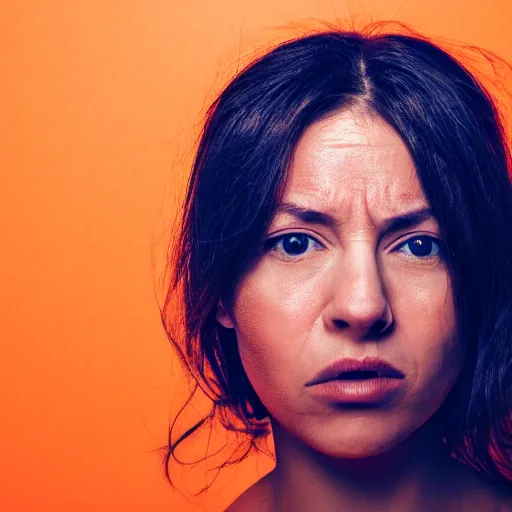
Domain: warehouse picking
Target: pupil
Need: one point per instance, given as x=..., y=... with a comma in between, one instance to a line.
x=422, y=246
x=295, y=244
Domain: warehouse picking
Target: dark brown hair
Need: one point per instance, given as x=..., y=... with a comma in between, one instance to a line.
x=451, y=127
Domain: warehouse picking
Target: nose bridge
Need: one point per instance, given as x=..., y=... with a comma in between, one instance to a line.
x=358, y=299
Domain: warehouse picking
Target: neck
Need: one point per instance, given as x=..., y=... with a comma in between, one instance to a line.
x=411, y=476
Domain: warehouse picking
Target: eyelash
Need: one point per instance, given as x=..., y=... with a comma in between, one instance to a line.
x=271, y=243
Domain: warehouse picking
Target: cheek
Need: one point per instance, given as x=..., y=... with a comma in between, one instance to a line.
x=274, y=318
x=426, y=321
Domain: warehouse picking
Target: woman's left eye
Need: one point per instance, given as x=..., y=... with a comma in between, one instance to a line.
x=423, y=247
x=292, y=244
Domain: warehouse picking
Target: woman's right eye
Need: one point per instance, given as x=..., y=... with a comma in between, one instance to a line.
x=292, y=245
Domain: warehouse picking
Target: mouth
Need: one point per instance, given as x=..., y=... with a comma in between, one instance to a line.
x=359, y=375
x=369, y=382
x=357, y=370
x=355, y=375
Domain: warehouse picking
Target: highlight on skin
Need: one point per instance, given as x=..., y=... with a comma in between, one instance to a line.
x=350, y=197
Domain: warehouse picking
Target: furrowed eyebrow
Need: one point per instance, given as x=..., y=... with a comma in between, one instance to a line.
x=306, y=215
x=406, y=221
x=391, y=225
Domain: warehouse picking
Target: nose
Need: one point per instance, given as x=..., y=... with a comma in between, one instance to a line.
x=358, y=303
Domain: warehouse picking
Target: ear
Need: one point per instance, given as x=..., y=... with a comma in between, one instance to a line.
x=223, y=316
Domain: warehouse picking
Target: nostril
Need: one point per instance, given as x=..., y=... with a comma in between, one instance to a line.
x=378, y=330
x=340, y=324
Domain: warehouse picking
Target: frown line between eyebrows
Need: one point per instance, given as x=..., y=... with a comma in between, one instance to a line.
x=391, y=225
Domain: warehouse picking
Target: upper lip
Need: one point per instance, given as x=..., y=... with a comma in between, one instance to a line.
x=332, y=371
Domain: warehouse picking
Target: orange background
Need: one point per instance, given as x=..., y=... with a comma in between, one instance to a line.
x=100, y=102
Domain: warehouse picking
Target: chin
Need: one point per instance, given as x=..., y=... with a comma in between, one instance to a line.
x=362, y=451
x=361, y=443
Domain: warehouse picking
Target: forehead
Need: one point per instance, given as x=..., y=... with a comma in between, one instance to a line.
x=352, y=157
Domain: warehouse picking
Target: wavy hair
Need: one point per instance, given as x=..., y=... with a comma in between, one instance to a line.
x=451, y=125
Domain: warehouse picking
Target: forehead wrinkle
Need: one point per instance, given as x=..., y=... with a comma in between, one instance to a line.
x=335, y=145
x=362, y=211
x=315, y=167
x=394, y=194
x=354, y=127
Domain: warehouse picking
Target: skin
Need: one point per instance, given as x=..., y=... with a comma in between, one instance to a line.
x=350, y=292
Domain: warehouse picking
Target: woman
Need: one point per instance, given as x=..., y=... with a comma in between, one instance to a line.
x=345, y=263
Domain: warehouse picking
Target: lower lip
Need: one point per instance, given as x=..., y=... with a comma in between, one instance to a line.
x=377, y=390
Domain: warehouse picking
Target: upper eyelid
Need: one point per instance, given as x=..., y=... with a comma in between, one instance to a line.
x=277, y=238
x=410, y=236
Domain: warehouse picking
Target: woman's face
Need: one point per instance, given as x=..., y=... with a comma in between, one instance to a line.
x=348, y=287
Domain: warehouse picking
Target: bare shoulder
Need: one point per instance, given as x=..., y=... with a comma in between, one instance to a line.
x=256, y=498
